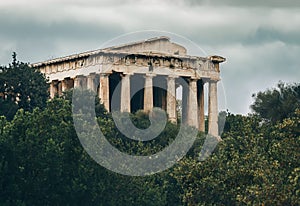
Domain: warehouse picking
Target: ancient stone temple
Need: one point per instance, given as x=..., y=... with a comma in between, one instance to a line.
x=156, y=66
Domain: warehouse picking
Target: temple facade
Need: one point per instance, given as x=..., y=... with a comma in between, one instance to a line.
x=148, y=73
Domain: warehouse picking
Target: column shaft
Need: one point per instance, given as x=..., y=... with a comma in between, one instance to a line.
x=164, y=100
x=192, y=104
x=148, y=93
x=104, y=90
x=125, y=93
x=171, y=100
x=91, y=82
x=83, y=82
x=53, y=89
x=64, y=85
x=76, y=82
x=213, y=109
x=185, y=96
x=80, y=82
x=200, y=92
x=59, y=88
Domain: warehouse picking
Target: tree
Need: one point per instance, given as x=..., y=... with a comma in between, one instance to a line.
x=43, y=163
x=276, y=104
x=255, y=164
x=21, y=87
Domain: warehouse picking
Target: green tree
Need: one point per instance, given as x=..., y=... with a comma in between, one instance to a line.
x=43, y=163
x=279, y=103
x=255, y=164
x=21, y=87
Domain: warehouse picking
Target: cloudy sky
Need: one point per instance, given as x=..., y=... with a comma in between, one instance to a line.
x=260, y=39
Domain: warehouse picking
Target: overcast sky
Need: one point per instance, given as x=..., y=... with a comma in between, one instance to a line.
x=260, y=39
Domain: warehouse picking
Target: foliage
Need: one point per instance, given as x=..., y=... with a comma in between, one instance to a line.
x=21, y=87
x=43, y=163
x=253, y=165
x=279, y=103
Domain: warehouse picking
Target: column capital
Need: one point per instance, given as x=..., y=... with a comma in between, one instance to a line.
x=55, y=81
x=204, y=80
x=172, y=76
x=213, y=80
x=92, y=74
x=104, y=74
x=192, y=80
x=208, y=80
x=150, y=75
x=126, y=74
x=79, y=76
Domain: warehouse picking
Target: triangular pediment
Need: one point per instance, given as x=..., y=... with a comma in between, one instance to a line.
x=157, y=45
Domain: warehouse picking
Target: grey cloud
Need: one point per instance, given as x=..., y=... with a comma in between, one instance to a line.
x=241, y=3
x=269, y=34
x=254, y=68
x=42, y=41
x=28, y=28
x=260, y=50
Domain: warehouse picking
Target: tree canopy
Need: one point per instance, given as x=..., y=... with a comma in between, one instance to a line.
x=278, y=103
x=21, y=87
x=43, y=163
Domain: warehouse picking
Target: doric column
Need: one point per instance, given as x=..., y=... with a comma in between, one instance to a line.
x=53, y=89
x=185, y=96
x=171, y=99
x=76, y=82
x=91, y=82
x=59, y=88
x=213, y=109
x=192, y=104
x=200, y=92
x=161, y=98
x=104, y=90
x=83, y=82
x=64, y=85
x=79, y=82
x=148, y=92
x=125, y=93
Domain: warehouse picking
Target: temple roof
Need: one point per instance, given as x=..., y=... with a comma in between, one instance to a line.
x=157, y=46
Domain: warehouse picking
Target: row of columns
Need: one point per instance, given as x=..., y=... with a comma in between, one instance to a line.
x=196, y=115
x=193, y=97
x=148, y=95
x=58, y=87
